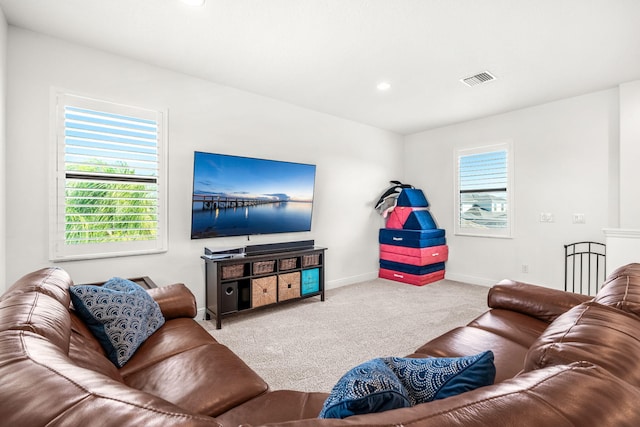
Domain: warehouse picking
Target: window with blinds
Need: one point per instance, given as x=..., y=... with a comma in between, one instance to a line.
x=483, y=202
x=109, y=179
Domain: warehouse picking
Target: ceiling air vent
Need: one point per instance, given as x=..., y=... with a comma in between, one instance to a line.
x=479, y=78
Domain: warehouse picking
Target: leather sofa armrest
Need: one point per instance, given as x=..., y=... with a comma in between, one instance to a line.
x=537, y=301
x=175, y=301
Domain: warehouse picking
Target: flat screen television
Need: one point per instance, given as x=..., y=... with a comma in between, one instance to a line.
x=243, y=196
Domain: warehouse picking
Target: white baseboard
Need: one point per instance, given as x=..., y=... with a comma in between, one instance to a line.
x=332, y=284
x=470, y=279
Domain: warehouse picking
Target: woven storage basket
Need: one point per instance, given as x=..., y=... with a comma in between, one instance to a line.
x=232, y=271
x=288, y=286
x=261, y=267
x=264, y=291
x=288, y=263
x=311, y=259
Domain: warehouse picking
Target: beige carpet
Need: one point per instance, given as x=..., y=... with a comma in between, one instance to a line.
x=308, y=345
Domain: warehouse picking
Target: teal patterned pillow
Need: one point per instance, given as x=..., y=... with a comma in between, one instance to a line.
x=439, y=377
x=120, y=313
x=367, y=388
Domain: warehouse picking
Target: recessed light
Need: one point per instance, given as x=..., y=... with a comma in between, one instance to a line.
x=382, y=86
x=193, y=2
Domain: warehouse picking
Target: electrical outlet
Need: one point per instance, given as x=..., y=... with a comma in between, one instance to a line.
x=525, y=268
x=578, y=218
x=546, y=217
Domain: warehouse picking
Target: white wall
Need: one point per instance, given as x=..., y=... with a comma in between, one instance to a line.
x=3, y=178
x=623, y=239
x=562, y=166
x=354, y=162
x=629, y=155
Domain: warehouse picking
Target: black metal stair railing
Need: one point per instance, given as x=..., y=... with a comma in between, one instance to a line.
x=584, y=267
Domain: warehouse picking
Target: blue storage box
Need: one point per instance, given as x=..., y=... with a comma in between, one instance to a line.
x=419, y=220
x=412, y=238
x=310, y=281
x=411, y=269
x=412, y=197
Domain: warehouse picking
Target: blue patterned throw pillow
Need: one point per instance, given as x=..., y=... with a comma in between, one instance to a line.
x=120, y=313
x=439, y=377
x=367, y=388
x=393, y=382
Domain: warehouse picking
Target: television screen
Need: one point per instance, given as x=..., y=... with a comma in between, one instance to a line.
x=238, y=196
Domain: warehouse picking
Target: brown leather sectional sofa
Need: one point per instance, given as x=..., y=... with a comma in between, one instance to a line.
x=561, y=359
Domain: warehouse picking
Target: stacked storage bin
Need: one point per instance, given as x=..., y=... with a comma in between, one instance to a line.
x=412, y=249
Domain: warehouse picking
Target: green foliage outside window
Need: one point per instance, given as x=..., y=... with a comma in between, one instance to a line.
x=102, y=210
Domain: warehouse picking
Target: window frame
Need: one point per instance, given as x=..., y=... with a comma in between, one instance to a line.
x=59, y=250
x=506, y=232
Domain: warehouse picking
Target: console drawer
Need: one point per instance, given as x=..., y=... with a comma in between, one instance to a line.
x=264, y=291
x=288, y=286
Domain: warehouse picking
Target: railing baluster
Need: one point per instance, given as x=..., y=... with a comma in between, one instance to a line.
x=594, y=252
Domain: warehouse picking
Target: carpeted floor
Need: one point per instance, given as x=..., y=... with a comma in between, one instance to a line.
x=308, y=345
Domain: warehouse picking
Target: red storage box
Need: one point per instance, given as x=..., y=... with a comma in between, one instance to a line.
x=412, y=279
x=414, y=256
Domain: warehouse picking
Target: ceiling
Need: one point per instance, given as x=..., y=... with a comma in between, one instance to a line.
x=329, y=55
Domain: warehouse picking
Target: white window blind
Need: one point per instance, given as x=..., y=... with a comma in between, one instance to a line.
x=483, y=205
x=109, y=179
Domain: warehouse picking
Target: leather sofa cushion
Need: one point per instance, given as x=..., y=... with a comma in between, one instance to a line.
x=173, y=361
x=53, y=282
x=465, y=341
x=537, y=301
x=552, y=396
x=603, y=335
x=274, y=407
x=68, y=395
x=38, y=313
x=88, y=358
x=622, y=289
x=512, y=325
x=207, y=380
x=86, y=351
x=175, y=336
x=38, y=302
x=632, y=269
x=83, y=335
